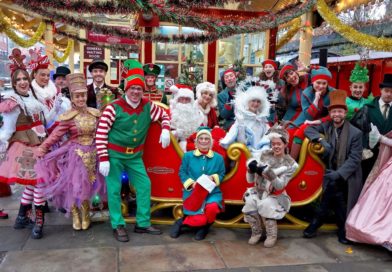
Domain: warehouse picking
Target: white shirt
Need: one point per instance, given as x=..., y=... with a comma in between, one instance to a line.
x=96, y=86
x=381, y=104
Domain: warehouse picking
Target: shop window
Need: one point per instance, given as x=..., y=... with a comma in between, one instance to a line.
x=167, y=51
x=229, y=50
x=253, y=51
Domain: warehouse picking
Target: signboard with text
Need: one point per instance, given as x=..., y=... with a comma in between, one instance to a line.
x=93, y=52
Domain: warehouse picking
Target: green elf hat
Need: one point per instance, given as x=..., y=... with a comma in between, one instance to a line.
x=359, y=74
x=203, y=130
x=151, y=69
x=135, y=75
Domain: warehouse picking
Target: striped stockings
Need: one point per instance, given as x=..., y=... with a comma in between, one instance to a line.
x=33, y=194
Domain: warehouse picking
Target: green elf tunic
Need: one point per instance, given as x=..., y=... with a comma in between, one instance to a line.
x=120, y=138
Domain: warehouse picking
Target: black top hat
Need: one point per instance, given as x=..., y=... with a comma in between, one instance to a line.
x=100, y=64
x=61, y=71
x=387, y=83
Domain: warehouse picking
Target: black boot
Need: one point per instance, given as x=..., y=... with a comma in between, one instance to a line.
x=23, y=219
x=36, y=233
x=311, y=230
x=202, y=232
x=342, y=236
x=46, y=208
x=176, y=228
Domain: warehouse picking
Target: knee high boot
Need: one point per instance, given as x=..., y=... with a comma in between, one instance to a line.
x=76, y=223
x=254, y=220
x=23, y=219
x=272, y=232
x=37, y=231
x=85, y=209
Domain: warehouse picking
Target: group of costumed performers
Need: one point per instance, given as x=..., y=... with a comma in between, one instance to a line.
x=268, y=201
x=201, y=172
x=70, y=173
x=129, y=117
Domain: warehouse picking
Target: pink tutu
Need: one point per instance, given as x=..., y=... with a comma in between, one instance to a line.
x=17, y=166
x=370, y=220
x=70, y=175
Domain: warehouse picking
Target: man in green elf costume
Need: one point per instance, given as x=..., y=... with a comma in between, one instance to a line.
x=121, y=133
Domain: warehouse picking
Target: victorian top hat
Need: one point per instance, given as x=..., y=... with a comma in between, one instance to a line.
x=387, y=83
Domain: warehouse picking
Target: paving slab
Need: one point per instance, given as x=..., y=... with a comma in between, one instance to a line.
x=364, y=266
x=81, y=259
x=11, y=239
x=171, y=257
x=291, y=268
x=350, y=253
x=286, y=252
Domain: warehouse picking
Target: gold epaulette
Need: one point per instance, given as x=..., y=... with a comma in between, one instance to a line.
x=94, y=112
x=68, y=115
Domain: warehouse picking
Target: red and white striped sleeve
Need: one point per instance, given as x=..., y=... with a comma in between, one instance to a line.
x=104, y=125
x=157, y=113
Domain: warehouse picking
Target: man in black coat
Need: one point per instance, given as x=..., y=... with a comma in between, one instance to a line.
x=342, y=181
x=98, y=70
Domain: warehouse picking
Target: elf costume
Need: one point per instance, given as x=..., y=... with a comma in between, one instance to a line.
x=121, y=133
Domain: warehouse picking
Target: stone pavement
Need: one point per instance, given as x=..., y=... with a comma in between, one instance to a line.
x=95, y=250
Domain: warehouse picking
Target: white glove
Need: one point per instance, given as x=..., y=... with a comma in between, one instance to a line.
x=179, y=133
x=165, y=138
x=374, y=136
x=104, y=168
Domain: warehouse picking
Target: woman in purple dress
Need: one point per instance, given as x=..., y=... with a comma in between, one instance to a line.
x=69, y=173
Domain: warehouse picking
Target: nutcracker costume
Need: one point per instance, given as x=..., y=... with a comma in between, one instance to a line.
x=201, y=172
x=268, y=201
x=121, y=133
x=20, y=135
x=70, y=173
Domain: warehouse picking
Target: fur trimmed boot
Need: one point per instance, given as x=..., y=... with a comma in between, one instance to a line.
x=85, y=209
x=272, y=232
x=76, y=223
x=37, y=231
x=23, y=219
x=254, y=220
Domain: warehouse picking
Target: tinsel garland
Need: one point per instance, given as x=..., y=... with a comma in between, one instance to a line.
x=66, y=53
x=181, y=16
x=216, y=32
x=199, y=3
x=6, y=28
x=351, y=34
x=290, y=33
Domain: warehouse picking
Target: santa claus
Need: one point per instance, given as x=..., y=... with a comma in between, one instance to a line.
x=185, y=115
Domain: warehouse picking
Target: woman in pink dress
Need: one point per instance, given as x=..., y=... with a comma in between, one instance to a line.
x=370, y=219
x=20, y=135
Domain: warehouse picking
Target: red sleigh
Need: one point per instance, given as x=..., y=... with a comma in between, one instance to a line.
x=162, y=166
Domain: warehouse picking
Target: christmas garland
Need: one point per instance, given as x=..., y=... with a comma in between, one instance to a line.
x=66, y=53
x=215, y=32
x=351, y=34
x=223, y=28
x=296, y=25
x=6, y=28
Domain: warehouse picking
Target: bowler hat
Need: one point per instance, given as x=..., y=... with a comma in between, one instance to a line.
x=98, y=64
x=387, y=83
x=337, y=99
x=61, y=71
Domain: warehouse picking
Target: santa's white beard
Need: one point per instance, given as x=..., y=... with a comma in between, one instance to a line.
x=186, y=117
